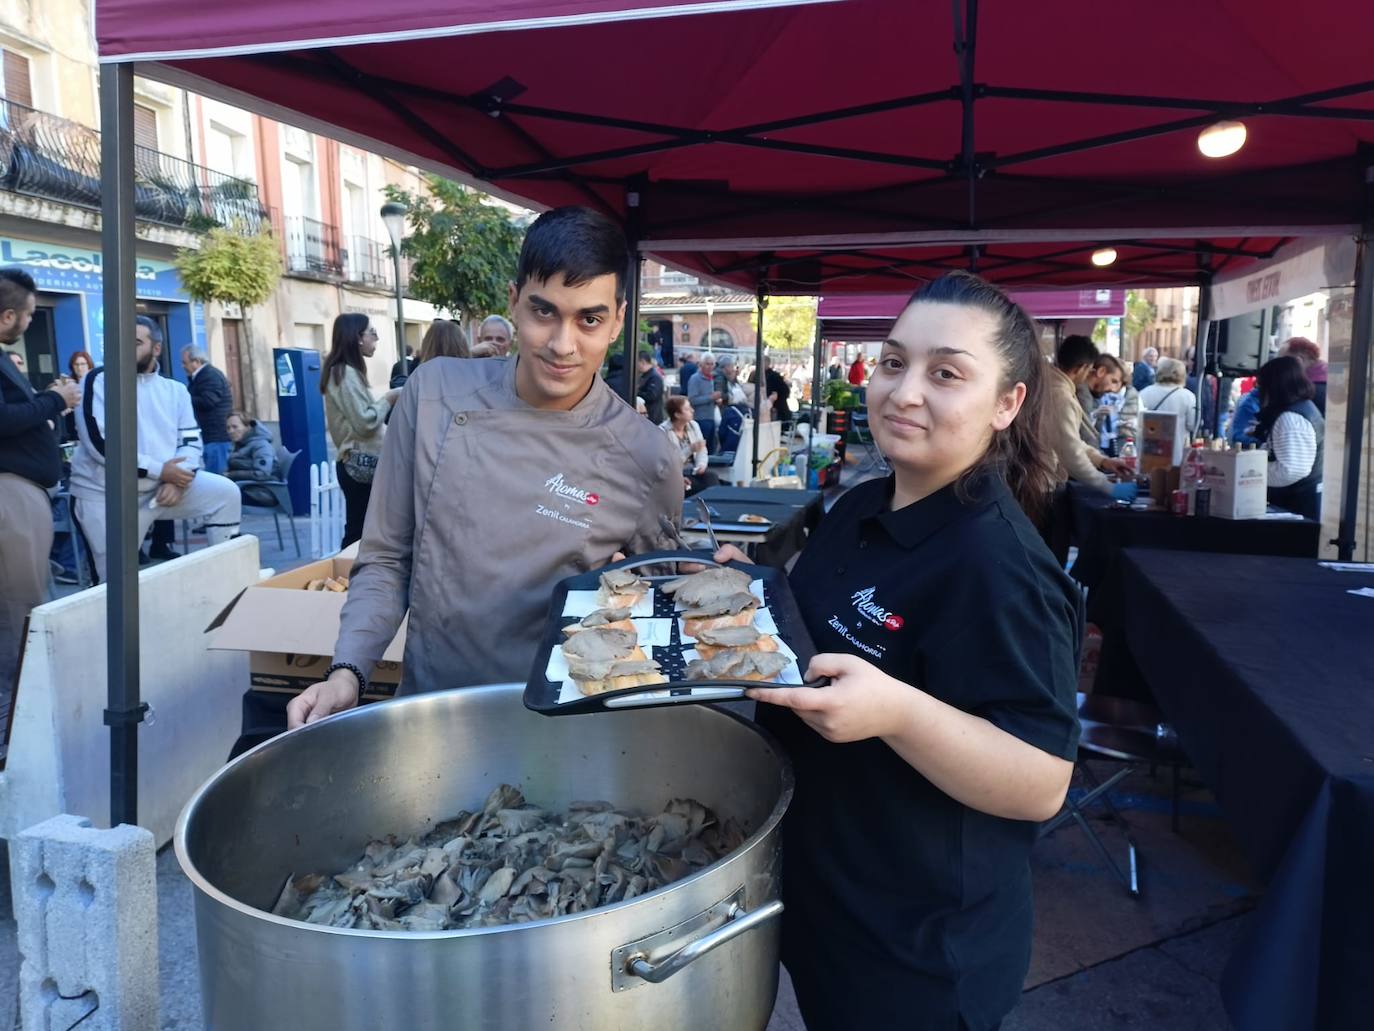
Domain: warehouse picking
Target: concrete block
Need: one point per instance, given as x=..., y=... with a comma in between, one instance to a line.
x=85, y=901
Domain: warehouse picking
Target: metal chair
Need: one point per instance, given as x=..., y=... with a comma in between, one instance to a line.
x=64, y=521
x=280, y=493
x=863, y=436
x=1132, y=733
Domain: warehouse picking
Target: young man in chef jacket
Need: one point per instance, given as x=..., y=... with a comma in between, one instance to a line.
x=502, y=476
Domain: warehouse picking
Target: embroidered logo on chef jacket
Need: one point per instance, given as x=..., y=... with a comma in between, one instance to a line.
x=867, y=610
x=571, y=504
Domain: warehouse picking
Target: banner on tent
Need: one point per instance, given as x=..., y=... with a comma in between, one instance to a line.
x=1300, y=268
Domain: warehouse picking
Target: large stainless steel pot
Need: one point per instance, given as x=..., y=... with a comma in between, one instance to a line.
x=700, y=954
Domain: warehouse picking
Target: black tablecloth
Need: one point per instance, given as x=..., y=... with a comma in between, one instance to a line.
x=1102, y=530
x=1265, y=667
x=793, y=513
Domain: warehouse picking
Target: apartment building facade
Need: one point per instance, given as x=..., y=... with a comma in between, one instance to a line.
x=198, y=163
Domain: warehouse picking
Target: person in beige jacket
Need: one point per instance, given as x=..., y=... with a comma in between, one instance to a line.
x=356, y=420
x=501, y=476
x=1066, y=420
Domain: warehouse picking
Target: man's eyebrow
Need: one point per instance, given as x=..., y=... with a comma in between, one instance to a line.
x=596, y=309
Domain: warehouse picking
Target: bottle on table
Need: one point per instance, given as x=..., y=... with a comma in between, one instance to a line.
x=1192, y=477
x=1128, y=455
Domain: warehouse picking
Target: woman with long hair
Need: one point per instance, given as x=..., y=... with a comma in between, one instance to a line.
x=947, y=731
x=444, y=339
x=355, y=418
x=1293, y=431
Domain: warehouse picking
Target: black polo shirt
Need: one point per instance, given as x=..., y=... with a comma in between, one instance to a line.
x=906, y=909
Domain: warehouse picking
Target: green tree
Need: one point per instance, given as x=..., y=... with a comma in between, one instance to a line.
x=789, y=327
x=1140, y=316
x=464, y=249
x=232, y=268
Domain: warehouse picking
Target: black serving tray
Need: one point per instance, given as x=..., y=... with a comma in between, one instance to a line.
x=541, y=694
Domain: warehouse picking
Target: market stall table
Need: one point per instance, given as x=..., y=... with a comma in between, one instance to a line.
x=791, y=513
x=1264, y=667
x=1104, y=530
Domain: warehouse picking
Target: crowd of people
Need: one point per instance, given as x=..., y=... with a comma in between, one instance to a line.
x=921, y=589
x=1098, y=402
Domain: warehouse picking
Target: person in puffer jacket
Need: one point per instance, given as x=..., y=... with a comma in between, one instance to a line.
x=254, y=456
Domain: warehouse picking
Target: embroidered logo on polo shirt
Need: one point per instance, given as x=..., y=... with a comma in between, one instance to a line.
x=873, y=612
x=559, y=488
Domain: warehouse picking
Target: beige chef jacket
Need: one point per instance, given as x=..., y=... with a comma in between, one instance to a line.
x=480, y=505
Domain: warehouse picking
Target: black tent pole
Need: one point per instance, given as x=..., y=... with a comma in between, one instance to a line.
x=1357, y=395
x=758, y=377
x=1204, y=325
x=816, y=383
x=631, y=330
x=123, y=712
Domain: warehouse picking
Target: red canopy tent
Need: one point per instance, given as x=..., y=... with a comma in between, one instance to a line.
x=867, y=317
x=802, y=147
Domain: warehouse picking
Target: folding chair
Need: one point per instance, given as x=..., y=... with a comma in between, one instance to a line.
x=274, y=496
x=862, y=433
x=1131, y=733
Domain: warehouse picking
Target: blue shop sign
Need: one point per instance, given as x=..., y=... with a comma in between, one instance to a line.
x=78, y=270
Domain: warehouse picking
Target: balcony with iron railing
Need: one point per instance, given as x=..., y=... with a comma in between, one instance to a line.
x=312, y=247
x=42, y=155
x=368, y=262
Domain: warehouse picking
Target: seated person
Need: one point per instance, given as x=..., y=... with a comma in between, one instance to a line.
x=171, y=482
x=254, y=457
x=682, y=428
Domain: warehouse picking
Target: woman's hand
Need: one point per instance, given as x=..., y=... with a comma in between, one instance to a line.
x=861, y=701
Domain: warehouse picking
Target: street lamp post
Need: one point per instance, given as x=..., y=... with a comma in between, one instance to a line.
x=394, y=216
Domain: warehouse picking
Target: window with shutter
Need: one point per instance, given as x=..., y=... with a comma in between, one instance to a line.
x=145, y=127
x=17, y=85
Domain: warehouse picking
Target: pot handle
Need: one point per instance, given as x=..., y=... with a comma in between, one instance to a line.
x=737, y=922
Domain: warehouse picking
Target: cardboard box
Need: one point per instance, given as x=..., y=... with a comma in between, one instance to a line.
x=1239, y=481
x=290, y=632
x=1161, y=440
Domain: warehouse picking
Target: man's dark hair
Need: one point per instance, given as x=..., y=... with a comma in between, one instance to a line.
x=1075, y=352
x=578, y=243
x=154, y=330
x=15, y=287
x=645, y=355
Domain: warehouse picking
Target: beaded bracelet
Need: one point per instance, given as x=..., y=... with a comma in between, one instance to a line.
x=362, y=680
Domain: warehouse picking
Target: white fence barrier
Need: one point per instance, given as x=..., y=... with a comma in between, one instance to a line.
x=326, y=510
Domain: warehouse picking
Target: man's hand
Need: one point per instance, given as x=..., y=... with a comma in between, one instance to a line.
x=1115, y=465
x=68, y=391
x=317, y=701
x=861, y=701
x=169, y=495
x=173, y=473
x=730, y=553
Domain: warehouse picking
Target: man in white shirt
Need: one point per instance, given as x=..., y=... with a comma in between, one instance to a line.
x=171, y=481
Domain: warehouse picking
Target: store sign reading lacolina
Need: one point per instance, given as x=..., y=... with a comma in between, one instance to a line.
x=89, y=264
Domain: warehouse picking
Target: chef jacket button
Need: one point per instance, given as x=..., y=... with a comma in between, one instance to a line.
x=863, y=544
x=461, y=418
x=839, y=569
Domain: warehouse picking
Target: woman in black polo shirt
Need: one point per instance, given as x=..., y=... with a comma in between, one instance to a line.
x=948, y=730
